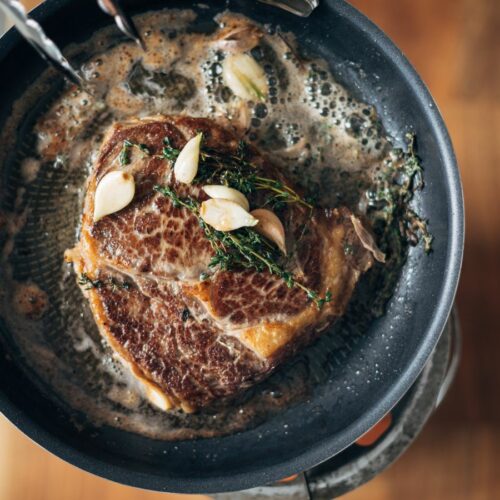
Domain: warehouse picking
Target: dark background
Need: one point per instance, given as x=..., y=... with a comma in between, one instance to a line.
x=455, y=46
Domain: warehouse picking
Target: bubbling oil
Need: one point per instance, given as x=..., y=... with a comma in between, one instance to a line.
x=309, y=125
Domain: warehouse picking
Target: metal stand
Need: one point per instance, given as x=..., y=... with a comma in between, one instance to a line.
x=357, y=465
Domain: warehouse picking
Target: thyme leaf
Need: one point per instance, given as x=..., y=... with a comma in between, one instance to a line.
x=124, y=156
x=169, y=152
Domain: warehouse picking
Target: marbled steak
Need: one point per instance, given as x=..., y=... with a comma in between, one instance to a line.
x=191, y=341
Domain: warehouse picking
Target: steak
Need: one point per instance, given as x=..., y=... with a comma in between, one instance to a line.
x=188, y=339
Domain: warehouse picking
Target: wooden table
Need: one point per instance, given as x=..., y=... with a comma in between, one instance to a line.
x=455, y=46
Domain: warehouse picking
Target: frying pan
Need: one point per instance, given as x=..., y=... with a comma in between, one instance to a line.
x=389, y=355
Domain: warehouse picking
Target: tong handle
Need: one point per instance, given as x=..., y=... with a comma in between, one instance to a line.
x=122, y=20
x=33, y=33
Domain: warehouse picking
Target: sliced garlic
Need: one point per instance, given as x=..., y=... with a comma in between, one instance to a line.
x=227, y=193
x=186, y=165
x=225, y=215
x=114, y=192
x=367, y=239
x=271, y=227
x=245, y=77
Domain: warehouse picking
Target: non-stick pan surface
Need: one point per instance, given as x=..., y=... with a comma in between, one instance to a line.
x=389, y=355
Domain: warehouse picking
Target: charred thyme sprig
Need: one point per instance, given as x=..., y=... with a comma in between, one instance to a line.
x=87, y=283
x=242, y=248
x=394, y=189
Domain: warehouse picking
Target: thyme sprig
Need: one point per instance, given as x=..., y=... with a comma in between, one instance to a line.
x=232, y=170
x=394, y=189
x=88, y=283
x=242, y=248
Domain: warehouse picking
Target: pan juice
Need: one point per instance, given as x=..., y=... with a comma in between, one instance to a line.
x=327, y=141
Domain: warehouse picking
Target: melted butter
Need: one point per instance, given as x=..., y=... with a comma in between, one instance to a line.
x=309, y=125
x=308, y=117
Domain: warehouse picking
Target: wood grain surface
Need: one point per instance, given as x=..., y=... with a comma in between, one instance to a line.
x=455, y=46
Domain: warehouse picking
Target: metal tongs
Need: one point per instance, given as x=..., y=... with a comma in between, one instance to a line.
x=34, y=34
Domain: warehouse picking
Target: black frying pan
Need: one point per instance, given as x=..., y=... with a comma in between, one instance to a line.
x=391, y=353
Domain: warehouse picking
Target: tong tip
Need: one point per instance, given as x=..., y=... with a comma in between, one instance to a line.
x=126, y=25
x=122, y=20
x=141, y=43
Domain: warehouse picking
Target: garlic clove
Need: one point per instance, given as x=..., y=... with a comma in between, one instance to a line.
x=156, y=397
x=271, y=227
x=225, y=215
x=245, y=77
x=227, y=193
x=186, y=165
x=114, y=192
x=367, y=239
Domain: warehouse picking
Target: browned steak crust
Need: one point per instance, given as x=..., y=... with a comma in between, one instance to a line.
x=192, y=341
x=192, y=358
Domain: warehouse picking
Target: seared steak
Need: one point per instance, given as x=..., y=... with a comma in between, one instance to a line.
x=192, y=340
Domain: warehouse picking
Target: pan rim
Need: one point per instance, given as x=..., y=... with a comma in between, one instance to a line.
x=335, y=443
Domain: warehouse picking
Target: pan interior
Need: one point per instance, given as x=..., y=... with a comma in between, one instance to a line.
x=333, y=384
